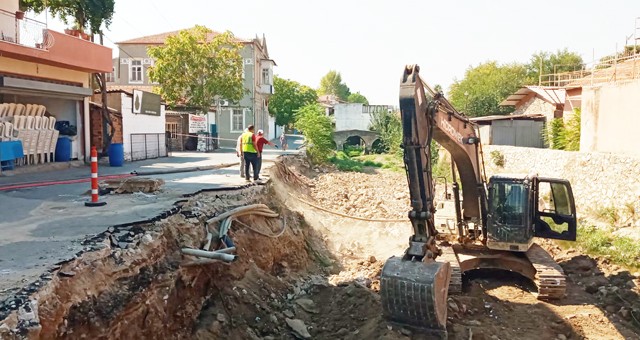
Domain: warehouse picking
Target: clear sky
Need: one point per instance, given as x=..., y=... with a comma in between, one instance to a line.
x=369, y=42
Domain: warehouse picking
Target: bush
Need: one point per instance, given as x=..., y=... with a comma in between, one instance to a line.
x=318, y=131
x=497, y=158
x=353, y=150
x=345, y=163
x=572, y=132
x=619, y=249
x=563, y=136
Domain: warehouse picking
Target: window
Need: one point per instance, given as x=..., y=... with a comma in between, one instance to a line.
x=237, y=120
x=265, y=76
x=135, y=71
x=110, y=77
x=172, y=128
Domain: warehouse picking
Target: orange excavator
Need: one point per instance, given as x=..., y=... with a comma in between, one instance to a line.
x=496, y=220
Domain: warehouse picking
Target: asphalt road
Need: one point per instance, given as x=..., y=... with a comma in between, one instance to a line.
x=41, y=226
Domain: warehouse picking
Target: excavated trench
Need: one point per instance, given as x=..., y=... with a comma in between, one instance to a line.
x=318, y=278
x=133, y=282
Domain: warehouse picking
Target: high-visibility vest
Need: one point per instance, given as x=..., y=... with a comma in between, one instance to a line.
x=247, y=142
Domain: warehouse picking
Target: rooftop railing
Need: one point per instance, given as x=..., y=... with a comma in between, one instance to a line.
x=24, y=31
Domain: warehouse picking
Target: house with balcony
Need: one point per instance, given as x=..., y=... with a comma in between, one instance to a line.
x=225, y=118
x=45, y=78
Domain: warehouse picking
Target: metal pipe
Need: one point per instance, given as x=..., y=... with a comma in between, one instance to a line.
x=210, y=254
x=227, y=250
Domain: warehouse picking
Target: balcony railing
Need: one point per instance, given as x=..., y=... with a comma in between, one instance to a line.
x=24, y=31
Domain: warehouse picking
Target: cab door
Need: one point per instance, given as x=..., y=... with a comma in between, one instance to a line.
x=554, y=209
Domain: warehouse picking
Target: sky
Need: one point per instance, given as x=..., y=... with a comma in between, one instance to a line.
x=370, y=42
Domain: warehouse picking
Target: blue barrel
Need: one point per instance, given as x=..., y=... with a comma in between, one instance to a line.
x=116, y=154
x=63, y=149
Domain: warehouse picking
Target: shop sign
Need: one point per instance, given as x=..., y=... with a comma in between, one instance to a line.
x=146, y=103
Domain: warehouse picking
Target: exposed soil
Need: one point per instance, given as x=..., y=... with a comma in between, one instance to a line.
x=319, y=279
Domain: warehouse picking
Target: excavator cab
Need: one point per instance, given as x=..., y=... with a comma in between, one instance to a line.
x=521, y=208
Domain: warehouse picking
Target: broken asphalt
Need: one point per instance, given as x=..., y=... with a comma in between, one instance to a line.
x=41, y=225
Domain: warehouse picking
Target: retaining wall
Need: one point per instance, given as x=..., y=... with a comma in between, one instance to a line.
x=599, y=180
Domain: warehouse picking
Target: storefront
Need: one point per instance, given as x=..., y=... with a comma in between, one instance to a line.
x=35, y=108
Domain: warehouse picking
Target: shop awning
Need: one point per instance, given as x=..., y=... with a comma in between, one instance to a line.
x=28, y=87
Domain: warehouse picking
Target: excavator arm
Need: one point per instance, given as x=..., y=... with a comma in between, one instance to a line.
x=426, y=116
x=414, y=287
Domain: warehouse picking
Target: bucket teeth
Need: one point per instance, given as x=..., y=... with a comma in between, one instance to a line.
x=415, y=294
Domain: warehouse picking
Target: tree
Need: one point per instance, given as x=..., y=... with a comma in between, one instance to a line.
x=484, y=87
x=552, y=63
x=357, y=98
x=194, y=69
x=288, y=98
x=389, y=127
x=438, y=88
x=318, y=132
x=90, y=14
x=332, y=83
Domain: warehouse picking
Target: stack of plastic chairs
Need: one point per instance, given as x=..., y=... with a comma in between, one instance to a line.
x=50, y=146
x=36, y=140
x=4, y=110
x=28, y=124
x=6, y=131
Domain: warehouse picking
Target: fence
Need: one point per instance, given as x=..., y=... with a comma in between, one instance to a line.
x=619, y=68
x=24, y=31
x=149, y=145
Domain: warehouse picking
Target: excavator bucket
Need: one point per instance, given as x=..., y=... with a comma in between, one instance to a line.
x=415, y=294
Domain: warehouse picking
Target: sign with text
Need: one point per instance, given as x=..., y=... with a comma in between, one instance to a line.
x=146, y=103
x=197, y=123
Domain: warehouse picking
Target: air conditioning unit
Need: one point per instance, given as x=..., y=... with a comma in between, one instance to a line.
x=147, y=61
x=224, y=103
x=125, y=61
x=248, y=61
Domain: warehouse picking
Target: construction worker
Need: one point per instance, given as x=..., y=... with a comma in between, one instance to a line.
x=250, y=153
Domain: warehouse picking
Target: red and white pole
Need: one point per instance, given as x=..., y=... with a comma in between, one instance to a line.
x=95, y=189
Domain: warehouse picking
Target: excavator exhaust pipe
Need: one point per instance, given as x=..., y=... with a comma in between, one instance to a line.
x=415, y=294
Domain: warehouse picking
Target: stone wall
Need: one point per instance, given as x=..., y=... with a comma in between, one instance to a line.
x=598, y=180
x=535, y=106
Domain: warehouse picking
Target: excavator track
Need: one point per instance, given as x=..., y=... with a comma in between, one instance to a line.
x=549, y=277
x=455, y=282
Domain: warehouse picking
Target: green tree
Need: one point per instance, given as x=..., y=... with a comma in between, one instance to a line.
x=288, y=98
x=85, y=14
x=551, y=63
x=485, y=86
x=357, y=98
x=437, y=88
x=389, y=126
x=194, y=68
x=332, y=83
x=318, y=132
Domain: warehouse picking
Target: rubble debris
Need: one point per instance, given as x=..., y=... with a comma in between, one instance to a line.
x=299, y=328
x=308, y=305
x=131, y=185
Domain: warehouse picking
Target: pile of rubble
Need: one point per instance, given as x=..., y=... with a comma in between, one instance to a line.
x=359, y=194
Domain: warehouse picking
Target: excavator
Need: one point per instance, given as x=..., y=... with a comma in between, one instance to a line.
x=496, y=221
